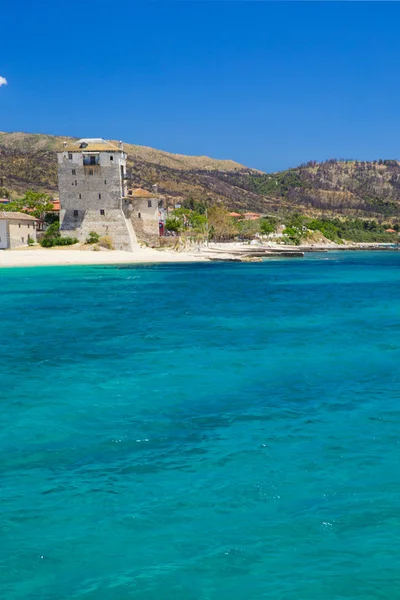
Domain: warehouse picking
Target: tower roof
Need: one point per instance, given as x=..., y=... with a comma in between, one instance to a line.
x=92, y=145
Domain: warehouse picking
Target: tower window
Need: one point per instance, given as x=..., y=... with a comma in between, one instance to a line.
x=76, y=183
x=105, y=182
x=73, y=171
x=149, y=203
x=90, y=171
x=76, y=213
x=99, y=196
x=70, y=156
x=80, y=196
x=102, y=211
x=139, y=216
x=111, y=158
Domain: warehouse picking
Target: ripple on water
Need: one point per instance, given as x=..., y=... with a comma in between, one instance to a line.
x=201, y=431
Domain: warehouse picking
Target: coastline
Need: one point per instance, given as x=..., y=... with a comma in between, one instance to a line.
x=40, y=257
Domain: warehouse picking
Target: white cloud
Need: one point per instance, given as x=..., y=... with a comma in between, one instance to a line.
x=3, y=81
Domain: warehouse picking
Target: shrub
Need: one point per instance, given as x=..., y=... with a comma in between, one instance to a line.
x=105, y=241
x=267, y=226
x=46, y=242
x=292, y=235
x=53, y=230
x=93, y=238
x=31, y=241
x=49, y=242
x=66, y=241
x=174, y=225
x=52, y=238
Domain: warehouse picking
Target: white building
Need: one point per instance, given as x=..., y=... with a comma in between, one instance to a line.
x=16, y=229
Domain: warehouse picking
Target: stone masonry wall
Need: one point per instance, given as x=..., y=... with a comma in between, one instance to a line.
x=91, y=198
x=146, y=225
x=112, y=223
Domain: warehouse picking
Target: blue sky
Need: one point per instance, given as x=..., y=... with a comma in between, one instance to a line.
x=270, y=85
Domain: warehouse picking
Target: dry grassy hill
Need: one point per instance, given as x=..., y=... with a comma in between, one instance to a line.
x=29, y=161
x=331, y=188
x=33, y=143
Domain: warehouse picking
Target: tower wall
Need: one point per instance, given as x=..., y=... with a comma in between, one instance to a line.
x=91, y=197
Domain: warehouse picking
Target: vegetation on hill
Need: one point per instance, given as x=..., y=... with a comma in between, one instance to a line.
x=216, y=224
x=300, y=229
x=330, y=190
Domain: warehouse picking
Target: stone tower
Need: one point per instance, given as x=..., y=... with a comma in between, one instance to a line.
x=91, y=179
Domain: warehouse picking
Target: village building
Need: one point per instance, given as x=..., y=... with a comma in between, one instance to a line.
x=147, y=213
x=16, y=229
x=92, y=187
x=56, y=206
x=251, y=216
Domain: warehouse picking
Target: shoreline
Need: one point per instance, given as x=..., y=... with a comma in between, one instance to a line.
x=35, y=257
x=230, y=252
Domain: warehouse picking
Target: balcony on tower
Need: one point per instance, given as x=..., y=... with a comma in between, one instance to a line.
x=91, y=159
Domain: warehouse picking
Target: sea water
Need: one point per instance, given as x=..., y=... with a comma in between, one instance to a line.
x=201, y=431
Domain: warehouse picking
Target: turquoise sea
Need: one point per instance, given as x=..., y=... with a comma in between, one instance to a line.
x=201, y=431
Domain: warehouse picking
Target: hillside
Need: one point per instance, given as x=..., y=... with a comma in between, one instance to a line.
x=35, y=143
x=331, y=188
x=29, y=161
x=334, y=187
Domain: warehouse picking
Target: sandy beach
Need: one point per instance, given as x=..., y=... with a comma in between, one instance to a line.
x=35, y=257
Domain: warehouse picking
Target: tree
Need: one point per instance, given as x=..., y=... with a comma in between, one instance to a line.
x=267, y=226
x=184, y=218
x=34, y=203
x=196, y=205
x=248, y=229
x=221, y=225
x=292, y=234
x=198, y=222
x=173, y=224
x=38, y=204
x=5, y=193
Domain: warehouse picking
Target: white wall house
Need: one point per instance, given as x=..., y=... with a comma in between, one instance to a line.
x=16, y=229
